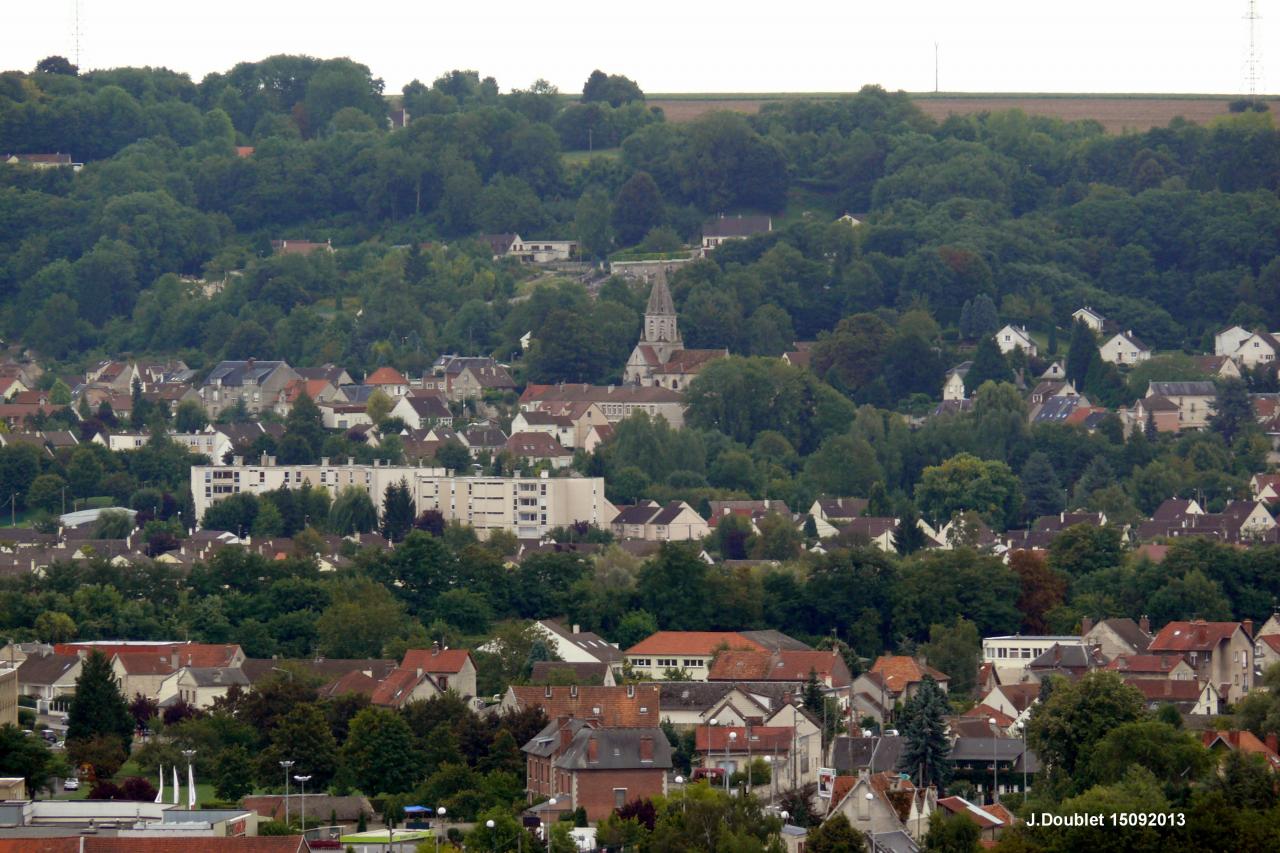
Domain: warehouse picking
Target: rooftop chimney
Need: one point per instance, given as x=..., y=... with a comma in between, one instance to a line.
x=566, y=735
x=1144, y=624
x=435, y=648
x=1248, y=627
x=1086, y=625
x=646, y=748
x=576, y=628
x=593, y=750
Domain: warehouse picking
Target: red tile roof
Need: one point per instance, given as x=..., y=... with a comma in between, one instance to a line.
x=692, y=643
x=386, y=376
x=1160, y=664
x=394, y=690
x=779, y=666
x=1245, y=741
x=1193, y=636
x=899, y=671
x=189, y=654
x=986, y=712
x=435, y=661
x=1166, y=689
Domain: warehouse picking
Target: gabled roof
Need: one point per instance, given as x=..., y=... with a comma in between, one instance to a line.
x=1198, y=636
x=431, y=406
x=899, y=671
x=692, y=643
x=593, y=644
x=217, y=676
x=762, y=738
x=629, y=705
x=1182, y=389
x=45, y=669
x=851, y=754
x=234, y=373
x=779, y=666
x=386, y=376
x=1129, y=631
x=1244, y=741
x=436, y=661
x=535, y=445
x=960, y=806
x=1167, y=689
x=353, y=682
x=554, y=671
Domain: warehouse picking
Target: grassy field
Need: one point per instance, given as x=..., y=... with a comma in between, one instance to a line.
x=581, y=158
x=1117, y=113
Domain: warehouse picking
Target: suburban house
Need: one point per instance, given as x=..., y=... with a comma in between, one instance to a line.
x=533, y=251
x=1220, y=366
x=559, y=427
x=1016, y=337
x=953, y=387
x=1258, y=348
x=422, y=412
x=389, y=381
x=1220, y=653
x=1013, y=700
x=1012, y=654
x=483, y=438
x=624, y=706
x=1115, y=637
x=47, y=677
x=690, y=651
x=56, y=160
x=596, y=768
x=1195, y=400
x=1171, y=667
x=829, y=513
x=788, y=665
x=300, y=247
x=1222, y=742
x=890, y=811
x=1163, y=413
x=722, y=229
x=535, y=447
x=1095, y=321
x=1124, y=348
x=424, y=673
x=578, y=646
x=467, y=377
x=1227, y=341
x=676, y=521
x=794, y=752
x=897, y=678
x=1189, y=696
x=875, y=530
x=199, y=686
x=256, y=384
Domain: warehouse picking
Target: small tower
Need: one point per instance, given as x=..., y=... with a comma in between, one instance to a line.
x=659, y=338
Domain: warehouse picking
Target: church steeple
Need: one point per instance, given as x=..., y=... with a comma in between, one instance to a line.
x=660, y=314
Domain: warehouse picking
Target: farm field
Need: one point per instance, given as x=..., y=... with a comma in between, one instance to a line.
x=1116, y=113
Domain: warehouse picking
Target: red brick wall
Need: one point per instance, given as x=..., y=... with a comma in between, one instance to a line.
x=594, y=788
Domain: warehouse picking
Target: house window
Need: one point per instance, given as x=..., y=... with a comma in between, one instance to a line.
x=619, y=797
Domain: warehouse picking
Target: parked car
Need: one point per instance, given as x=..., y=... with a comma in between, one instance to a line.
x=71, y=784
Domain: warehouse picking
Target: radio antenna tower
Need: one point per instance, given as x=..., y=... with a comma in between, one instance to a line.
x=1253, y=64
x=76, y=33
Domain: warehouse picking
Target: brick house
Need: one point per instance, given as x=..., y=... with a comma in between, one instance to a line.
x=626, y=706
x=596, y=768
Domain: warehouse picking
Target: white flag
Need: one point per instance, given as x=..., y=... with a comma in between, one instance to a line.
x=191, y=787
x=160, y=793
x=175, y=784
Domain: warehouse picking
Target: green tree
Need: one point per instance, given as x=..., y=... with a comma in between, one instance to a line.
x=397, y=511
x=989, y=365
x=965, y=482
x=1233, y=413
x=1065, y=729
x=190, y=417
x=360, y=621
x=835, y=835
x=46, y=493
x=454, y=456
x=592, y=225
x=352, y=512
x=952, y=834
x=303, y=736
x=233, y=774
x=26, y=757
x=98, y=708
x=378, y=406
x=637, y=209
x=1042, y=494
x=851, y=355
x=52, y=626
x=1176, y=758
x=1082, y=349
x=379, y=753
x=304, y=422
x=926, y=749
x=955, y=649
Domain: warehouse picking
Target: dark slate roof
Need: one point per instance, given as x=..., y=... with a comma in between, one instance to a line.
x=979, y=749
x=45, y=669
x=1182, y=389
x=617, y=749
x=771, y=639
x=583, y=672
x=691, y=695
x=877, y=754
x=217, y=676
x=1129, y=631
x=1056, y=409
x=234, y=373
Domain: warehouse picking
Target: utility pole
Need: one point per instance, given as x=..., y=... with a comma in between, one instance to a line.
x=1253, y=62
x=935, y=68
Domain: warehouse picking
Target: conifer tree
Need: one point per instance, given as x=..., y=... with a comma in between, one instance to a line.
x=926, y=749
x=98, y=707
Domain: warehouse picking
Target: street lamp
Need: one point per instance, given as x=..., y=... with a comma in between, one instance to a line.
x=679, y=780
x=302, y=782
x=707, y=758
x=1022, y=727
x=995, y=764
x=191, y=779
x=519, y=832
x=286, y=765
x=733, y=736
x=441, y=812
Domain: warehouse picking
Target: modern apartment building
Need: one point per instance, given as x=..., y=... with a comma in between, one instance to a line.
x=529, y=507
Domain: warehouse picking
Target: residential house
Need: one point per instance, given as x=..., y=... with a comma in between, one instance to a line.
x=873, y=530
x=991, y=820
x=1227, y=341
x=888, y=810
x=1054, y=372
x=48, y=677
x=577, y=646
x=1013, y=700
x=1016, y=337
x=467, y=377
x=199, y=686
x=1220, y=652
x=1221, y=742
x=559, y=427
x=56, y=160
x=787, y=665
x=338, y=415
x=1265, y=487
x=690, y=651
x=596, y=768
x=853, y=754
x=332, y=374
x=1260, y=348
x=422, y=412
x=1115, y=637
x=1195, y=400
x=1091, y=318
x=8, y=695
x=320, y=391
x=624, y=706
x=256, y=384
x=536, y=447
x=562, y=672
x=1124, y=348
x=1170, y=667
x=1189, y=696
x=675, y=521
x=829, y=513
x=1012, y=654
x=483, y=438
x=424, y=673
x=898, y=677
x=723, y=229
x=794, y=752
x=1070, y=661
x=953, y=386
x=616, y=401
x=1266, y=650
x=1218, y=366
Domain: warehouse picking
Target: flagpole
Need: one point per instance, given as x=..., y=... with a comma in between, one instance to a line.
x=191, y=778
x=160, y=794
x=175, y=784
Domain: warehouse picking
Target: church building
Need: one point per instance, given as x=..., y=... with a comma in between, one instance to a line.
x=660, y=357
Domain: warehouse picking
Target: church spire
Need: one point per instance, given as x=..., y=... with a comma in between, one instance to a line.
x=660, y=297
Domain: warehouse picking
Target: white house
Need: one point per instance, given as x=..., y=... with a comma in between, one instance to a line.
x=1124, y=348
x=1090, y=318
x=1228, y=341
x=1016, y=337
x=953, y=388
x=1258, y=348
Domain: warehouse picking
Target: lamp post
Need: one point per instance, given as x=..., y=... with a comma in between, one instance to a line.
x=733, y=736
x=679, y=780
x=519, y=841
x=1022, y=727
x=286, y=765
x=302, y=782
x=706, y=760
x=191, y=791
x=441, y=813
x=995, y=764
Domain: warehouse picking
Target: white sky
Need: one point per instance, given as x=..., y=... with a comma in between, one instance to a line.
x=687, y=46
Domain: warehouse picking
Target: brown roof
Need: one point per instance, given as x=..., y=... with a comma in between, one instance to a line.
x=600, y=393
x=535, y=445
x=45, y=669
x=189, y=654
x=764, y=739
x=899, y=671
x=436, y=661
x=386, y=376
x=625, y=706
x=1166, y=689
x=779, y=666
x=691, y=360
x=1192, y=636
x=353, y=682
x=1157, y=664
x=584, y=672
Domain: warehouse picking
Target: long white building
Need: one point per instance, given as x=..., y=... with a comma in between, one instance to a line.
x=529, y=507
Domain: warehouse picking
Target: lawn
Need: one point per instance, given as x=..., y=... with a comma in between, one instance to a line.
x=581, y=158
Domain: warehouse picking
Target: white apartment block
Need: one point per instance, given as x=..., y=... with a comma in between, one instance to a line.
x=529, y=507
x=1014, y=653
